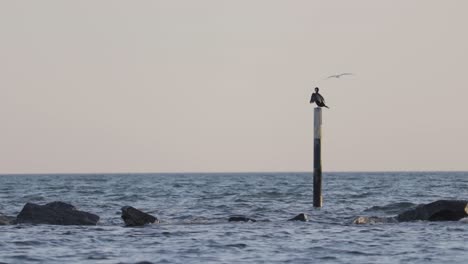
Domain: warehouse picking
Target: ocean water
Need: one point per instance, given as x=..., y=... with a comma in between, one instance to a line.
x=194, y=208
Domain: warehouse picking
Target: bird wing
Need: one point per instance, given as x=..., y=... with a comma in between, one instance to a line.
x=313, y=98
x=319, y=98
x=339, y=75
x=346, y=73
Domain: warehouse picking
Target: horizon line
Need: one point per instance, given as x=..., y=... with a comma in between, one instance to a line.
x=231, y=172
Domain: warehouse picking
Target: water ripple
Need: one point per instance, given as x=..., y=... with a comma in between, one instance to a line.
x=194, y=209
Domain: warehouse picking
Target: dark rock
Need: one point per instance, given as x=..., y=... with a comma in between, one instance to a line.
x=135, y=217
x=240, y=218
x=55, y=213
x=300, y=217
x=361, y=220
x=442, y=210
x=7, y=220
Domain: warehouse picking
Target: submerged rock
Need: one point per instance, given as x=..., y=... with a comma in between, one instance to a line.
x=362, y=220
x=135, y=217
x=442, y=210
x=300, y=217
x=55, y=213
x=240, y=218
x=7, y=220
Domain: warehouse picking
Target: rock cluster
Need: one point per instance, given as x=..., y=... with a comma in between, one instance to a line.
x=60, y=213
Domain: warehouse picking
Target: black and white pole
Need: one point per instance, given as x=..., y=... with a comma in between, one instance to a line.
x=317, y=157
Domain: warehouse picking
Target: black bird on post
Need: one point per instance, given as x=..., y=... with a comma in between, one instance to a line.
x=318, y=99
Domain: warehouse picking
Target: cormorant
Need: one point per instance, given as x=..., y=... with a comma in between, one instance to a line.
x=318, y=99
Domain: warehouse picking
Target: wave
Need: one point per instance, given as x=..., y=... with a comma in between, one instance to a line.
x=392, y=208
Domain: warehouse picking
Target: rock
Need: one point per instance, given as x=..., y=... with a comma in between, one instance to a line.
x=464, y=220
x=7, y=220
x=362, y=220
x=135, y=217
x=442, y=210
x=55, y=213
x=240, y=218
x=300, y=217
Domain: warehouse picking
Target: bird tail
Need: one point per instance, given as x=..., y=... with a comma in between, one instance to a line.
x=327, y=107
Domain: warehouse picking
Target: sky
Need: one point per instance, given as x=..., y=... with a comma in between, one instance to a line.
x=224, y=86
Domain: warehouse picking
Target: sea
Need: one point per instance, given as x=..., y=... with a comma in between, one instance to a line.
x=194, y=209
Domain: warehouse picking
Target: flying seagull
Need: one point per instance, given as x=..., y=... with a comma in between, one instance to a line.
x=318, y=99
x=339, y=75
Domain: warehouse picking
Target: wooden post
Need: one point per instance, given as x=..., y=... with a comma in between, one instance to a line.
x=317, y=157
